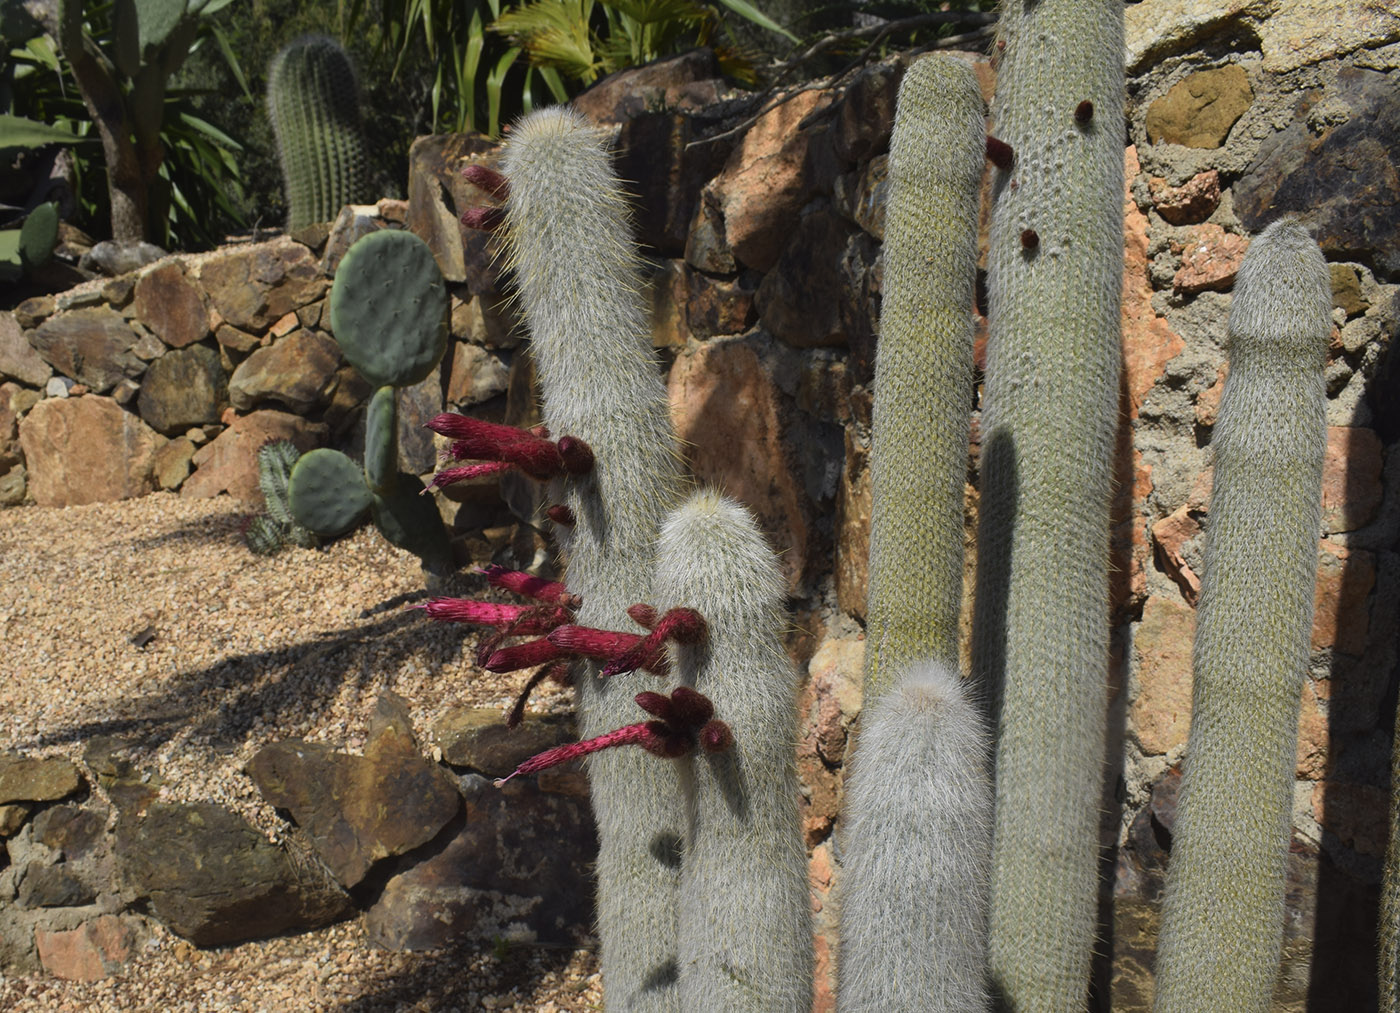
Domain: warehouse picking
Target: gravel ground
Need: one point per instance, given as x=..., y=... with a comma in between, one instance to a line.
x=240, y=650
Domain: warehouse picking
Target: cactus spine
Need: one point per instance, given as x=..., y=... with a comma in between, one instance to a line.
x=917, y=866
x=745, y=921
x=923, y=372
x=1040, y=642
x=1222, y=920
x=568, y=238
x=313, y=103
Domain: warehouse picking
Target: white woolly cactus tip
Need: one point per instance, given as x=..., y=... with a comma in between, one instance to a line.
x=1283, y=294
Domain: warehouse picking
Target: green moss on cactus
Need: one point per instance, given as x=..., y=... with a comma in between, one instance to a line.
x=923, y=371
x=1040, y=644
x=1222, y=919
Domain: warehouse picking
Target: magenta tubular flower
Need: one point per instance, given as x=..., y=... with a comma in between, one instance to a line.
x=683, y=625
x=484, y=178
x=526, y=655
x=530, y=586
x=683, y=722
x=529, y=450
x=602, y=645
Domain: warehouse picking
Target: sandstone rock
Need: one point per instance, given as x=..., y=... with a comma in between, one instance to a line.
x=488, y=320
x=214, y=879
x=1340, y=174
x=229, y=463
x=1209, y=260
x=357, y=810
x=666, y=289
x=95, y=950
x=1314, y=736
x=33, y=312
x=1149, y=342
x=1302, y=33
x=1199, y=111
x=800, y=299
x=53, y=886
x=18, y=359
x=74, y=832
x=706, y=248
x=352, y=223
x=12, y=817
x=251, y=286
x=130, y=787
x=296, y=372
x=167, y=303
x=1346, y=290
x=10, y=453
x=437, y=197
x=1169, y=536
x=1351, y=479
x=730, y=417
x=232, y=338
x=475, y=375
x=1160, y=711
x=770, y=176
x=119, y=291
x=93, y=346
x=861, y=195
x=865, y=114
x=1192, y=202
x=477, y=738
x=853, y=530
x=1345, y=579
x=518, y=867
x=719, y=305
x=688, y=82
x=86, y=450
x=27, y=779
x=14, y=485
x=183, y=388
x=171, y=465
x=665, y=173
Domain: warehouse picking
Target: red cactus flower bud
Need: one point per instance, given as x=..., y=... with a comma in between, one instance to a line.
x=527, y=584
x=577, y=455
x=526, y=655
x=1084, y=112
x=485, y=178
x=1030, y=240
x=643, y=614
x=561, y=515
x=464, y=610
x=683, y=625
x=716, y=737
x=464, y=473
x=601, y=645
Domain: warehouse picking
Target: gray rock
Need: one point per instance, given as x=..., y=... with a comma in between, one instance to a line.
x=357, y=810
x=93, y=346
x=214, y=879
x=183, y=388
x=1341, y=175
x=112, y=258
x=800, y=300
x=18, y=359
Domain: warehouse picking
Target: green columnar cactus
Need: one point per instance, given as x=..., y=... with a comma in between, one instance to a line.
x=389, y=316
x=313, y=103
x=745, y=913
x=923, y=371
x=1222, y=920
x=918, y=832
x=568, y=238
x=918, y=859
x=1040, y=642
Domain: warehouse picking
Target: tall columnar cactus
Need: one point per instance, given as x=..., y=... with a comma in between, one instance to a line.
x=313, y=103
x=389, y=316
x=918, y=858
x=923, y=371
x=1040, y=643
x=1222, y=921
x=568, y=239
x=1388, y=948
x=745, y=913
x=917, y=838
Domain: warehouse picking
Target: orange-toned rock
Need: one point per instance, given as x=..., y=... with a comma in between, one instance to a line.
x=230, y=462
x=1194, y=201
x=86, y=450
x=1351, y=479
x=1169, y=535
x=1345, y=578
x=768, y=178
x=93, y=951
x=1149, y=343
x=729, y=416
x=172, y=307
x=1313, y=737
x=1209, y=260
x=853, y=530
x=1160, y=712
x=1208, y=400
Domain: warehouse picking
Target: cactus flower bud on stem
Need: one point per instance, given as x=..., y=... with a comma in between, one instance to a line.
x=502, y=447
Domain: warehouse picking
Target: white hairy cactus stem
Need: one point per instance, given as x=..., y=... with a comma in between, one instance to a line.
x=746, y=934
x=568, y=239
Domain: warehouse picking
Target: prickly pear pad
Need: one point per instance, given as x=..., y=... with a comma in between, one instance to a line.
x=389, y=308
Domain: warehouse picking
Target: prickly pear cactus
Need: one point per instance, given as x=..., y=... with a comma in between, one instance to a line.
x=313, y=103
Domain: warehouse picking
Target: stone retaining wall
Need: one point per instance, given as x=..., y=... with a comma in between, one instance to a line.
x=766, y=281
